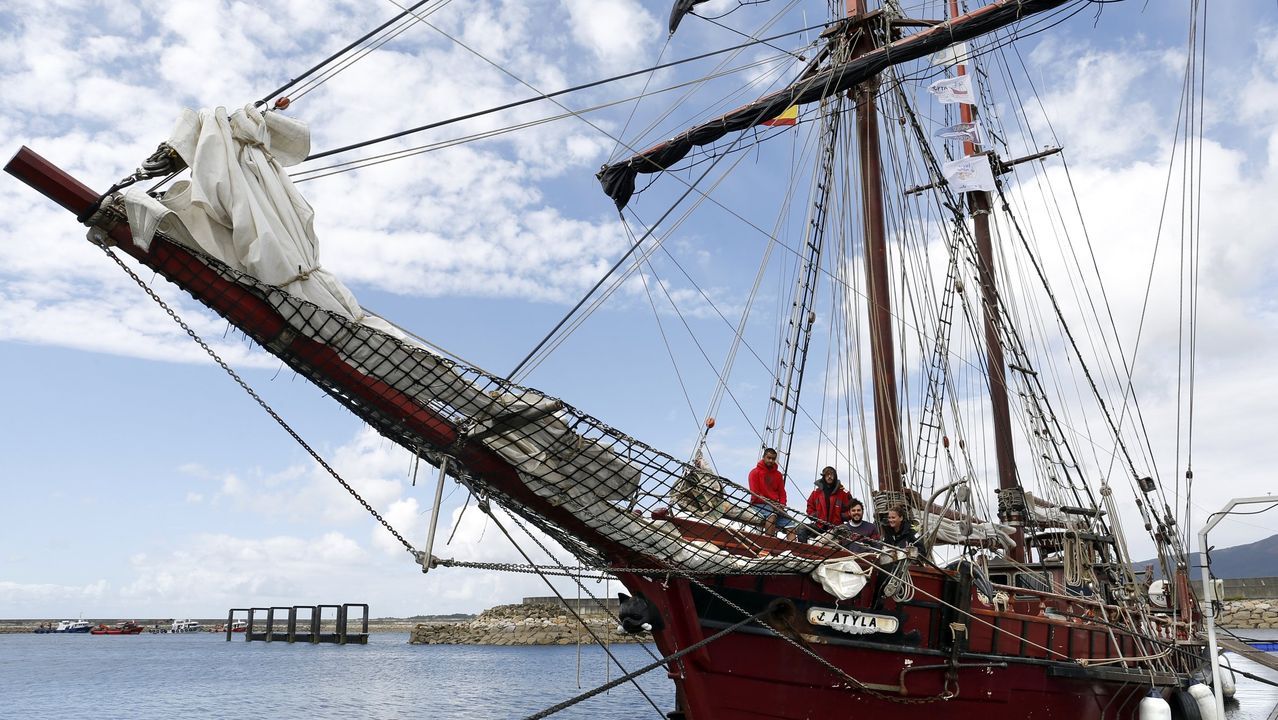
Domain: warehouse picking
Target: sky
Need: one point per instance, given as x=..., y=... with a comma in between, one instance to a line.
x=140, y=481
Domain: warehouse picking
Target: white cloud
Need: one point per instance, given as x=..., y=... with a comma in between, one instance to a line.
x=615, y=31
x=33, y=599
x=1103, y=110
x=469, y=220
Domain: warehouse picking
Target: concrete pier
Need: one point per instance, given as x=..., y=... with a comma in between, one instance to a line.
x=300, y=623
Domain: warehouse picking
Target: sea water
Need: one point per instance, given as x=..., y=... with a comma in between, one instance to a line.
x=201, y=675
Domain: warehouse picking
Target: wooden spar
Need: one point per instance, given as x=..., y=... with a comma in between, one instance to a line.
x=618, y=179
x=887, y=432
x=978, y=203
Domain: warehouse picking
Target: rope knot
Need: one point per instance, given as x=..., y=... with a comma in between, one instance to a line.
x=302, y=275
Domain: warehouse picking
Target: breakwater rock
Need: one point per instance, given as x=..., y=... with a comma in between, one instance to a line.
x=523, y=625
x=1249, y=614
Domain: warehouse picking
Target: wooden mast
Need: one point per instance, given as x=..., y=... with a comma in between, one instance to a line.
x=978, y=204
x=882, y=352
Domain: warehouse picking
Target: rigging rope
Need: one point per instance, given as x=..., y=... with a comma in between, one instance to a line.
x=575, y=614
x=337, y=54
x=550, y=95
x=256, y=398
x=364, y=52
x=630, y=677
x=318, y=172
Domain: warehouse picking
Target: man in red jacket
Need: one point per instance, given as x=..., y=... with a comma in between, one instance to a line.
x=829, y=504
x=767, y=495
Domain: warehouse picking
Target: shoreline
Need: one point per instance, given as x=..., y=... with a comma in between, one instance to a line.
x=383, y=625
x=532, y=624
x=543, y=624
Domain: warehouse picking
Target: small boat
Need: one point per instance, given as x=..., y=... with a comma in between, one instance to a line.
x=125, y=628
x=239, y=626
x=186, y=626
x=73, y=626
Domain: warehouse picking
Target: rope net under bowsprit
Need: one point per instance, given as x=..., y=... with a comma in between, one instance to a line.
x=603, y=495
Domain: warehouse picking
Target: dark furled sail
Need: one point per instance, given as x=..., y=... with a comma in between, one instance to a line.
x=618, y=179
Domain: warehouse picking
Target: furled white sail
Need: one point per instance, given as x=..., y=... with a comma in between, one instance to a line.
x=240, y=206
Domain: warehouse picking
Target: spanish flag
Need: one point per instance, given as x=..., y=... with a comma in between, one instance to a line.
x=789, y=117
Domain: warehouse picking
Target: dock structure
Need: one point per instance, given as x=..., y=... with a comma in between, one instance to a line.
x=300, y=623
x=1259, y=657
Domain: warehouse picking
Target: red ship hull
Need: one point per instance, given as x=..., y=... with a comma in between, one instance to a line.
x=119, y=630
x=763, y=672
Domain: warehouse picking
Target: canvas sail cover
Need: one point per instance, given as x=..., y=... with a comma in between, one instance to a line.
x=239, y=204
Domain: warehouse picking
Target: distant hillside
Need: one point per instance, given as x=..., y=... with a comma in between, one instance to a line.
x=1258, y=559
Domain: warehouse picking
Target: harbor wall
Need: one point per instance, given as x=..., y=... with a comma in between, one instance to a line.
x=520, y=624
x=1249, y=614
x=1248, y=603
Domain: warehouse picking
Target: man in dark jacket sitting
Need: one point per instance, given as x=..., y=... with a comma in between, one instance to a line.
x=829, y=505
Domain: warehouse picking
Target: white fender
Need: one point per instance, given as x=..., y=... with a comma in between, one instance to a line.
x=1206, y=700
x=1154, y=707
x=1227, y=686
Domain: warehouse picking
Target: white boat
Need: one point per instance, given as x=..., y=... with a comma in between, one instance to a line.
x=73, y=626
x=186, y=626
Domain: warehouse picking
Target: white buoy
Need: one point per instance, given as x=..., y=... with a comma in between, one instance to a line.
x=1154, y=707
x=1206, y=700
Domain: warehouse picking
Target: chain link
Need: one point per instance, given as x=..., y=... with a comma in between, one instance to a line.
x=253, y=394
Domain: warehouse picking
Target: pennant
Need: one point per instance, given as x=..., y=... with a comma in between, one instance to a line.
x=953, y=90
x=967, y=132
x=789, y=117
x=969, y=174
x=952, y=55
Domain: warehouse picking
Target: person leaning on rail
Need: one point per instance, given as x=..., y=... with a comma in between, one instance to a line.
x=899, y=532
x=861, y=535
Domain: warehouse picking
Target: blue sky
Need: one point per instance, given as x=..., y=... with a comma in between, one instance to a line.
x=141, y=481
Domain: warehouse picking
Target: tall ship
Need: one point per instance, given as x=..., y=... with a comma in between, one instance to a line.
x=942, y=343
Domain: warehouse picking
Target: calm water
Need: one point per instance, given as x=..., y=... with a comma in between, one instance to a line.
x=200, y=675
x=1254, y=701
x=158, y=677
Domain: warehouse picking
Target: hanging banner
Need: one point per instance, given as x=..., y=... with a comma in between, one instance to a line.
x=967, y=132
x=952, y=55
x=953, y=90
x=969, y=174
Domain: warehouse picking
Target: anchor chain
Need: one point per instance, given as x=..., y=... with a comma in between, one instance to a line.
x=100, y=242
x=629, y=677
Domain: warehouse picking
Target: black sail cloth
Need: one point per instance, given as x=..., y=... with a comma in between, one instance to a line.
x=618, y=179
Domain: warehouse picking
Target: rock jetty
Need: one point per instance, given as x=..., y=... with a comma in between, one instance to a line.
x=522, y=624
x=1249, y=614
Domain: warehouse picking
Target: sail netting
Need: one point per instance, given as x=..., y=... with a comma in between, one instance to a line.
x=603, y=495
